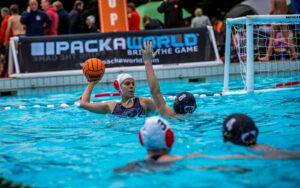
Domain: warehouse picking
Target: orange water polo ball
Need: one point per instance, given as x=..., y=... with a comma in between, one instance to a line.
x=93, y=69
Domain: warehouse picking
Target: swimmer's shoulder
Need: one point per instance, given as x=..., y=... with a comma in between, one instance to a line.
x=111, y=105
x=169, y=158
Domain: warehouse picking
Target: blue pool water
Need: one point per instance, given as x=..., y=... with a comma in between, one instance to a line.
x=70, y=147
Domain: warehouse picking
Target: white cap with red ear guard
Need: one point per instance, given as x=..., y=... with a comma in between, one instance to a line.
x=120, y=79
x=156, y=134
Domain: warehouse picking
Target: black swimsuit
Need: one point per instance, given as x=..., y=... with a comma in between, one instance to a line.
x=135, y=110
x=155, y=157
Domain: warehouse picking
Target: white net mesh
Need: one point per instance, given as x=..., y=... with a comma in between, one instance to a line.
x=275, y=49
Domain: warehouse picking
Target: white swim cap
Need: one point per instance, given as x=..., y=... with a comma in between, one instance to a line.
x=156, y=134
x=120, y=79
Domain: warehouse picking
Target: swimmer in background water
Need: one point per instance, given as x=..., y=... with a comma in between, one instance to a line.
x=130, y=105
x=241, y=130
x=184, y=102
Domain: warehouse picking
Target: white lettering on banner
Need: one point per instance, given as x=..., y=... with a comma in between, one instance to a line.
x=105, y=45
x=37, y=48
x=113, y=18
x=61, y=46
x=119, y=42
x=184, y=50
x=112, y=3
x=132, y=44
x=76, y=45
x=87, y=46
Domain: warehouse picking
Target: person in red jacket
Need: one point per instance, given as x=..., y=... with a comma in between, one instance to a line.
x=134, y=20
x=5, y=14
x=51, y=12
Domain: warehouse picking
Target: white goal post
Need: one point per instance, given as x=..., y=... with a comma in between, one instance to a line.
x=249, y=22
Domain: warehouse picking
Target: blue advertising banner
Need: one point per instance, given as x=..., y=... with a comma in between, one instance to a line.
x=68, y=52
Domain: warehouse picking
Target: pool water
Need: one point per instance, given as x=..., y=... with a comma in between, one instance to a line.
x=66, y=146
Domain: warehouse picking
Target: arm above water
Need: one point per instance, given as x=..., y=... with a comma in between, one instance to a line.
x=269, y=152
x=199, y=155
x=159, y=101
x=101, y=108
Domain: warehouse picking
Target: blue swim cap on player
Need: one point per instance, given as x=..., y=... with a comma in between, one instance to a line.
x=185, y=103
x=240, y=129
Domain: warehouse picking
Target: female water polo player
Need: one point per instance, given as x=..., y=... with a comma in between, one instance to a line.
x=129, y=106
x=240, y=129
x=184, y=102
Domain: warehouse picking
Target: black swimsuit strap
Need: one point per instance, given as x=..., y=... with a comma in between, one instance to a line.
x=155, y=157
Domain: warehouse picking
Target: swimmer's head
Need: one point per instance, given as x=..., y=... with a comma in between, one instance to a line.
x=156, y=134
x=185, y=103
x=119, y=81
x=240, y=129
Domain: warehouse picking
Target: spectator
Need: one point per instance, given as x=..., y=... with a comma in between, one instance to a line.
x=14, y=24
x=173, y=13
x=90, y=24
x=76, y=25
x=51, y=12
x=63, y=18
x=219, y=31
x=5, y=14
x=200, y=20
x=149, y=23
x=134, y=20
x=34, y=20
x=279, y=7
x=296, y=5
x=4, y=47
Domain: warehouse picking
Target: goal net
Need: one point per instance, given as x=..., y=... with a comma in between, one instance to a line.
x=262, y=52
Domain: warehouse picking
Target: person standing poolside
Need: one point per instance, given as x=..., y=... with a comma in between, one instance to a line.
x=173, y=13
x=130, y=105
x=240, y=129
x=51, y=12
x=200, y=20
x=34, y=20
x=279, y=7
x=134, y=19
x=14, y=24
x=184, y=102
x=64, y=24
x=76, y=25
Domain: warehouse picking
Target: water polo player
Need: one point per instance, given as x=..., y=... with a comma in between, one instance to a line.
x=184, y=102
x=157, y=137
x=240, y=129
x=129, y=106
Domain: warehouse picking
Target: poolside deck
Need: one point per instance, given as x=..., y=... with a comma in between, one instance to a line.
x=189, y=72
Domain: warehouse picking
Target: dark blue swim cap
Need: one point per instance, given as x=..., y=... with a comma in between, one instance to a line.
x=185, y=103
x=240, y=129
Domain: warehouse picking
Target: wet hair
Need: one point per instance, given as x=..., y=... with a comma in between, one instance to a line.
x=131, y=5
x=184, y=103
x=240, y=129
x=14, y=8
x=58, y=5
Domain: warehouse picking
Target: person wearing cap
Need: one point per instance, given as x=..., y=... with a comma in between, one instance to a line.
x=240, y=129
x=129, y=105
x=184, y=102
x=158, y=138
